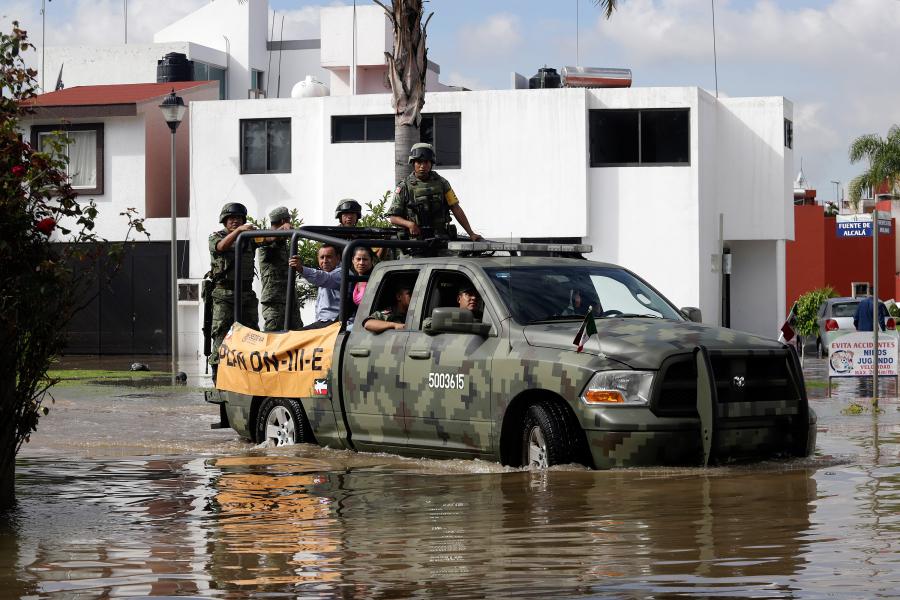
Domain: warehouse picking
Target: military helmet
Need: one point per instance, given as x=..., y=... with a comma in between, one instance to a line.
x=421, y=151
x=348, y=205
x=235, y=209
x=279, y=214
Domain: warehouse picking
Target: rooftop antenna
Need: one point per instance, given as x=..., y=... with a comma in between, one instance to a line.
x=126, y=20
x=577, y=36
x=269, y=67
x=280, y=44
x=353, y=58
x=712, y=4
x=43, y=39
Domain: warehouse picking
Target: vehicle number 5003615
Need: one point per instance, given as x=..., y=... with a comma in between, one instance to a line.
x=447, y=381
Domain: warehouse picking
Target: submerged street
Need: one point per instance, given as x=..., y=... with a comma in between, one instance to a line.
x=126, y=491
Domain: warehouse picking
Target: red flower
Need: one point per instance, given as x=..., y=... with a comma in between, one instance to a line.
x=18, y=170
x=46, y=225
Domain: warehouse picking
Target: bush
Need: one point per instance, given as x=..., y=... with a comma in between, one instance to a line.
x=806, y=308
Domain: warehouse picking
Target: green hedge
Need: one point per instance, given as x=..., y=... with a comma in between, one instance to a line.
x=806, y=308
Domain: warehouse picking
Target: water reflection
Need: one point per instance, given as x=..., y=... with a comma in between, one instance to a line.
x=309, y=522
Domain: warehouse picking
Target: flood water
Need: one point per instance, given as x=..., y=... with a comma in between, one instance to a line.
x=127, y=492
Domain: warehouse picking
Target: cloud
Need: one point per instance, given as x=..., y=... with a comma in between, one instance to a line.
x=496, y=35
x=299, y=24
x=99, y=22
x=812, y=129
x=457, y=78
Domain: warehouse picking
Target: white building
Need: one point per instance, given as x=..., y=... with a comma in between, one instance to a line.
x=645, y=175
x=558, y=163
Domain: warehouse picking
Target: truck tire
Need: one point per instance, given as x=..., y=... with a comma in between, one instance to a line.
x=543, y=438
x=282, y=422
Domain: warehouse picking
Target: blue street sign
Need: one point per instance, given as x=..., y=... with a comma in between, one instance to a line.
x=855, y=226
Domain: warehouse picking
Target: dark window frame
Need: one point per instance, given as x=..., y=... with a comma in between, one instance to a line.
x=365, y=138
x=440, y=165
x=97, y=128
x=267, y=170
x=788, y=133
x=640, y=162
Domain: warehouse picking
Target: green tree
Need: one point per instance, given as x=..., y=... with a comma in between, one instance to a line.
x=39, y=287
x=883, y=157
x=806, y=309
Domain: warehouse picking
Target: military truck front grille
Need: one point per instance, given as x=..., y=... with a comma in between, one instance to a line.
x=740, y=377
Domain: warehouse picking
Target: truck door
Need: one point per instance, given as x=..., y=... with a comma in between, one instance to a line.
x=372, y=370
x=447, y=376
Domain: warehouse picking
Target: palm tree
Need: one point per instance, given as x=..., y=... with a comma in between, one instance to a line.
x=407, y=65
x=883, y=155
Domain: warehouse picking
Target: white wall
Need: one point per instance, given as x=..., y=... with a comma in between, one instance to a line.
x=525, y=173
x=755, y=293
x=373, y=35
x=646, y=218
x=235, y=28
x=102, y=65
x=295, y=66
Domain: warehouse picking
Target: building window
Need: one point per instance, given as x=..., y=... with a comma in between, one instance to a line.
x=788, y=133
x=442, y=130
x=84, y=150
x=265, y=146
x=207, y=72
x=640, y=137
x=256, y=84
x=362, y=128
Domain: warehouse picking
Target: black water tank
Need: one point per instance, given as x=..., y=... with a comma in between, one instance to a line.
x=174, y=66
x=545, y=78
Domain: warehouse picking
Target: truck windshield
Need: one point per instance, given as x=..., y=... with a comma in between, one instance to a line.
x=564, y=293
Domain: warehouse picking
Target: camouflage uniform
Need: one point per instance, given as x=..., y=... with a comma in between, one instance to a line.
x=388, y=315
x=426, y=203
x=273, y=258
x=222, y=267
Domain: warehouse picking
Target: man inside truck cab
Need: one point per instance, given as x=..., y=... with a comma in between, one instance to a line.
x=393, y=317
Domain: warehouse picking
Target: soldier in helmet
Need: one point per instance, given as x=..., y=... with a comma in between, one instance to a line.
x=273, y=258
x=221, y=251
x=425, y=199
x=348, y=212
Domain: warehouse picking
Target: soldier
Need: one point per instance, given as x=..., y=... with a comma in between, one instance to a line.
x=391, y=318
x=273, y=258
x=425, y=199
x=221, y=251
x=348, y=212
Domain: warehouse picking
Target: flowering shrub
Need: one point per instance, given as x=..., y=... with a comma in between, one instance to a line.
x=39, y=291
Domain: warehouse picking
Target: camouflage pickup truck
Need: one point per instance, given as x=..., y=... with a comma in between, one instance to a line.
x=504, y=380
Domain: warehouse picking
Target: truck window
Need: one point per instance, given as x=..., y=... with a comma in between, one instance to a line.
x=386, y=296
x=444, y=290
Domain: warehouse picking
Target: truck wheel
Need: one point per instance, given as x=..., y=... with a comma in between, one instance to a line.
x=282, y=422
x=543, y=442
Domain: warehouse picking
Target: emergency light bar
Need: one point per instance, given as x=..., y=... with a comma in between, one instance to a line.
x=517, y=247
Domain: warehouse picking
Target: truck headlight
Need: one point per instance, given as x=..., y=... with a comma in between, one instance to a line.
x=619, y=388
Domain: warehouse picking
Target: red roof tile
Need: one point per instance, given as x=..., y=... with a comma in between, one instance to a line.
x=99, y=95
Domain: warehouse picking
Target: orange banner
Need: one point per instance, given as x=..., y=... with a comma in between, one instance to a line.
x=292, y=364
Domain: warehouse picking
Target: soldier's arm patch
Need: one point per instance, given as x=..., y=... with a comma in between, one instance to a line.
x=450, y=195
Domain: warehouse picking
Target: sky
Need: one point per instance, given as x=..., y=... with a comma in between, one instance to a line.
x=836, y=60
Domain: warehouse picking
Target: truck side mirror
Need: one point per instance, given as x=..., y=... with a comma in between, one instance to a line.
x=456, y=320
x=692, y=314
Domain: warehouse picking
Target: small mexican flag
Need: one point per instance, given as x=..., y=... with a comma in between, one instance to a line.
x=587, y=329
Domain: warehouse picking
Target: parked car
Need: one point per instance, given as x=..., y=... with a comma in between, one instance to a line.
x=835, y=318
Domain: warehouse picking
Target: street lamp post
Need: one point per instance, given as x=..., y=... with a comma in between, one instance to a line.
x=173, y=109
x=837, y=194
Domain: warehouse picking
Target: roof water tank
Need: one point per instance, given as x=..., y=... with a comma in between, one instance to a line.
x=592, y=77
x=309, y=88
x=174, y=66
x=545, y=78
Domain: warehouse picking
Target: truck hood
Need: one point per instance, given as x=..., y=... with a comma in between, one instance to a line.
x=644, y=343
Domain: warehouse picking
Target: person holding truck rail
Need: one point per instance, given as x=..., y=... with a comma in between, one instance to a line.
x=234, y=218
x=272, y=257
